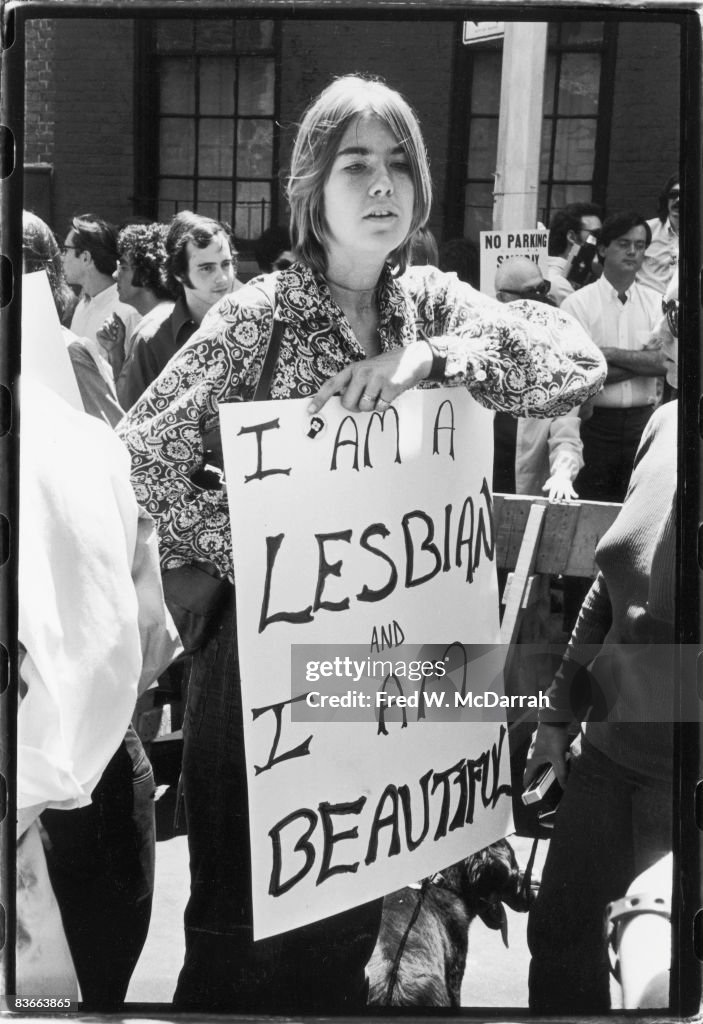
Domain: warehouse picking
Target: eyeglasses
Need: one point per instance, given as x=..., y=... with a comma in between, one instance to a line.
x=670, y=309
x=64, y=249
x=626, y=244
x=674, y=194
x=538, y=289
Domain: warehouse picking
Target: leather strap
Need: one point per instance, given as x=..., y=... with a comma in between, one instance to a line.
x=273, y=348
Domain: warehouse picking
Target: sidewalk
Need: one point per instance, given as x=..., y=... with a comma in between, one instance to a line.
x=495, y=976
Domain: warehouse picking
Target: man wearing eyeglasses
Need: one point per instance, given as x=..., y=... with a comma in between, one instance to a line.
x=620, y=314
x=572, y=235
x=661, y=259
x=89, y=257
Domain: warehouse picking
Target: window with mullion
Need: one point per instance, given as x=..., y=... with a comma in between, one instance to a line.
x=216, y=116
x=573, y=107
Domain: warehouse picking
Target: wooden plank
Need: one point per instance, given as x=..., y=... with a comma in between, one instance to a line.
x=569, y=537
x=524, y=568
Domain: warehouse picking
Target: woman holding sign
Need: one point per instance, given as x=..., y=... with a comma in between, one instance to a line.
x=353, y=323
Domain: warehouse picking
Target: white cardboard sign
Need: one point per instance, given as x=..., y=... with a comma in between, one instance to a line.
x=362, y=533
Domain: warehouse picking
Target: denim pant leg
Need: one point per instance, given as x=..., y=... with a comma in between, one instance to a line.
x=320, y=967
x=605, y=811
x=101, y=865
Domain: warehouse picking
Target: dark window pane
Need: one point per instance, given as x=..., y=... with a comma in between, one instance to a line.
x=485, y=83
x=214, y=35
x=253, y=34
x=574, y=150
x=562, y=195
x=478, y=209
x=549, y=73
x=578, y=83
x=215, y=148
x=483, y=147
x=215, y=199
x=177, y=145
x=177, y=86
x=256, y=78
x=545, y=147
x=253, y=211
x=581, y=32
x=254, y=149
x=174, y=196
x=217, y=77
x=174, y=36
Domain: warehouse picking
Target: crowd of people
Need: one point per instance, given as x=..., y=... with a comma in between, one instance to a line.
x=160, y=331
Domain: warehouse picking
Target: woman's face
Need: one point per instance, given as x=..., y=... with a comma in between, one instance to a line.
x=369, y=195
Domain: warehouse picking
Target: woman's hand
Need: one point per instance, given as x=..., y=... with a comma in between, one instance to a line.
x=374, y=383
x=549, y=745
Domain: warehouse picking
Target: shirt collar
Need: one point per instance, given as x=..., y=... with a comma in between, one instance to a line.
x=306, y=297
x=180, y=316
x=610, y=291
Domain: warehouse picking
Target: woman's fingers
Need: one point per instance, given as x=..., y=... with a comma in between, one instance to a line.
x=375, y=383
x=334, y=386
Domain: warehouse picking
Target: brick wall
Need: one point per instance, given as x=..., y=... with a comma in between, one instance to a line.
x=39, y=95
x=93, y=154
x=413, y=57
x=645, y=136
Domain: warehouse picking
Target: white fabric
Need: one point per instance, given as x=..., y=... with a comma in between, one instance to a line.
x=661, y=260
x=85, y=582
x=560, y=287
x=544, y=447
x=614, y=325
x=91, y=313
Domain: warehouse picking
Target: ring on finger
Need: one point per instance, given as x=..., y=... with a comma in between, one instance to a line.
x=384, y=402
x=367, y=398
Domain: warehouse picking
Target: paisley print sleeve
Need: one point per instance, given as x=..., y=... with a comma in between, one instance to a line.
x=524, y=358
x=164, y=432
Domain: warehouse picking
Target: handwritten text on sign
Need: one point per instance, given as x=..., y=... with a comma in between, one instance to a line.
x=359, y=529
x=498, y=246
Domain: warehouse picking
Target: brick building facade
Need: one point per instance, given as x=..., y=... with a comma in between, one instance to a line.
x=94, y=85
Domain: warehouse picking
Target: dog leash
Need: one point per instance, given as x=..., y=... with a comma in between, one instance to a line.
x=527, y=874
x=393, y=977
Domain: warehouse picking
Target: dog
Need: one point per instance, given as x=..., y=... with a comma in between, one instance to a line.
x=420, y=954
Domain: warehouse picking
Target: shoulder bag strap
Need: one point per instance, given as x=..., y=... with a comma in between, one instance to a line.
x=273, y=348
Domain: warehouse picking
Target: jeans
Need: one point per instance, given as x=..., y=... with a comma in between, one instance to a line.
x=101, y=865
x=611, y=824
x=315, y=969
x=610, y=440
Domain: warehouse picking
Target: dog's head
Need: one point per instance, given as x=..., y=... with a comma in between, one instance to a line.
x=487, y=880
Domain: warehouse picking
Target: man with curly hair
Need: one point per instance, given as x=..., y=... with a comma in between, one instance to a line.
x=141, y=282
x=200, y=267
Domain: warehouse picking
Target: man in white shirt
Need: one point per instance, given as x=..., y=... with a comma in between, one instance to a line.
x=620, y=315
x=89, y=259
x=570, y=230
x=661, y=260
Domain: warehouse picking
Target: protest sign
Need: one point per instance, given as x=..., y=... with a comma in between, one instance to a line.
x=361, y=530
x=498, y=246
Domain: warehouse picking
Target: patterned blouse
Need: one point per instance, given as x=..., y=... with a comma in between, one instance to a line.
x=526, y=358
